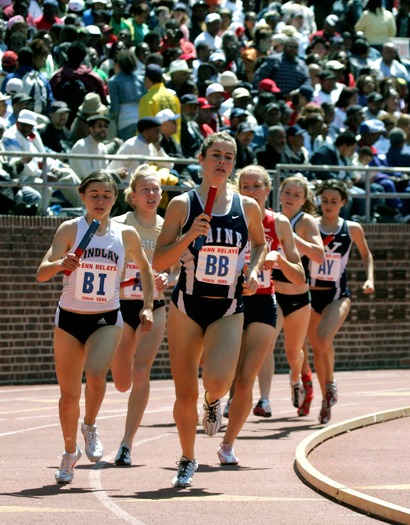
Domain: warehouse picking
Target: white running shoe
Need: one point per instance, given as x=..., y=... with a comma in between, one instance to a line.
x=212, y=418
x=298, y=393
x=186, y=471
x=123, y=457
x=65, y=473
x=226, y=454
x=226, y=409
x=94, y=449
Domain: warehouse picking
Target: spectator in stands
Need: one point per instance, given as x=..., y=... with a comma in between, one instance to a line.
x=354, y=117
x=237, y=116
x=118, y=20
x=210, y=35
x=329, y=29
x=197, y=20
x=146, y=143
x=19, y=102
x=315, y=136
x=22, y=136
x=271, y=154
x=35, y=84
x=49, y=16
x=179, y=73
x=191, y=136
x=294, y=151
x=377, y=24
x=92, y=144
x=339, y=154
x=126, y=88
x=388, y=65
x=74, y=80
x=255, y=52
x=55, y=135
x=91, y=106
x=403, y=19
x=215, y=96
x=168, y=128
x=287, y=69
x=329, y=91
x=374, y=110
x=271, y=117
x=158, y=96
x=245, y=154
x=370, y=131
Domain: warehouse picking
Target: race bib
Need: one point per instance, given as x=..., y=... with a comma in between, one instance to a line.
x=264, y=277
x=134, y=291
x=95, y=282
x=329, y=269
x=217, y=264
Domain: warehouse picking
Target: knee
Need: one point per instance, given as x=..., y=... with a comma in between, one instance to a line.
x=95, y=379
x=217, y=386
x=141, y=375
x=243, y=385
x=187, y=398
x=69, y=399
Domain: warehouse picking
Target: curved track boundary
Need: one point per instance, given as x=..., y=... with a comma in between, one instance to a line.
x=375, y=507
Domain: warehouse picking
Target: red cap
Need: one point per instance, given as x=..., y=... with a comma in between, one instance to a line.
x=268, y=84
x=204, y=104
x=9, y=58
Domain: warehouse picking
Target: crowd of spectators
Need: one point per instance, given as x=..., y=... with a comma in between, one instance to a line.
x=295, y=82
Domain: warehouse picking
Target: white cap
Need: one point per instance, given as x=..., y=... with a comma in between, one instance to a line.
x=27, y=117
x=214, y=88
x=217, y=55
x=165, y=115
x=76, y=5
x=14, y=85
x=212, y=17
x=93, y=30
x=334, y=65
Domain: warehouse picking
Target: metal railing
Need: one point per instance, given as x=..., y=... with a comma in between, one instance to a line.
x=277, y=175
x=282, y=171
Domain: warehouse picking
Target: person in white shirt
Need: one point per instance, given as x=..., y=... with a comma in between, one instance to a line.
x=93, y=144
x=210, y=36
x=388, y=66
x=22, y=136
x=146, y=144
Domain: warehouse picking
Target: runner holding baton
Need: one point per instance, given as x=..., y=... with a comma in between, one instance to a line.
x=199, y=241
x=85, y=241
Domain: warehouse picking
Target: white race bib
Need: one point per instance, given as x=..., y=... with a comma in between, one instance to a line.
x=134, y=291
x=329, y=269
x=95, y=282
x=217, y=264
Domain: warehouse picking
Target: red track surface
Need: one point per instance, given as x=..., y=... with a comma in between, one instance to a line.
x=263, y=489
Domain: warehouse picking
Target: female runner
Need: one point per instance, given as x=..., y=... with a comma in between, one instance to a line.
x=329, y=291
x=88, y=323
x=205, y=317
x=293, y=299
x=259, y=309
x=136, y=353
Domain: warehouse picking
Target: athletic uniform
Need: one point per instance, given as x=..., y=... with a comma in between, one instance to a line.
x=215, y=271
x=93, y=288
x=261, y=307
x=132, y=297
x=290, y=303
x=331, y=273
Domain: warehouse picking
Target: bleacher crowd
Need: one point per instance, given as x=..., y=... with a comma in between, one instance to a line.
x=297, y=82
